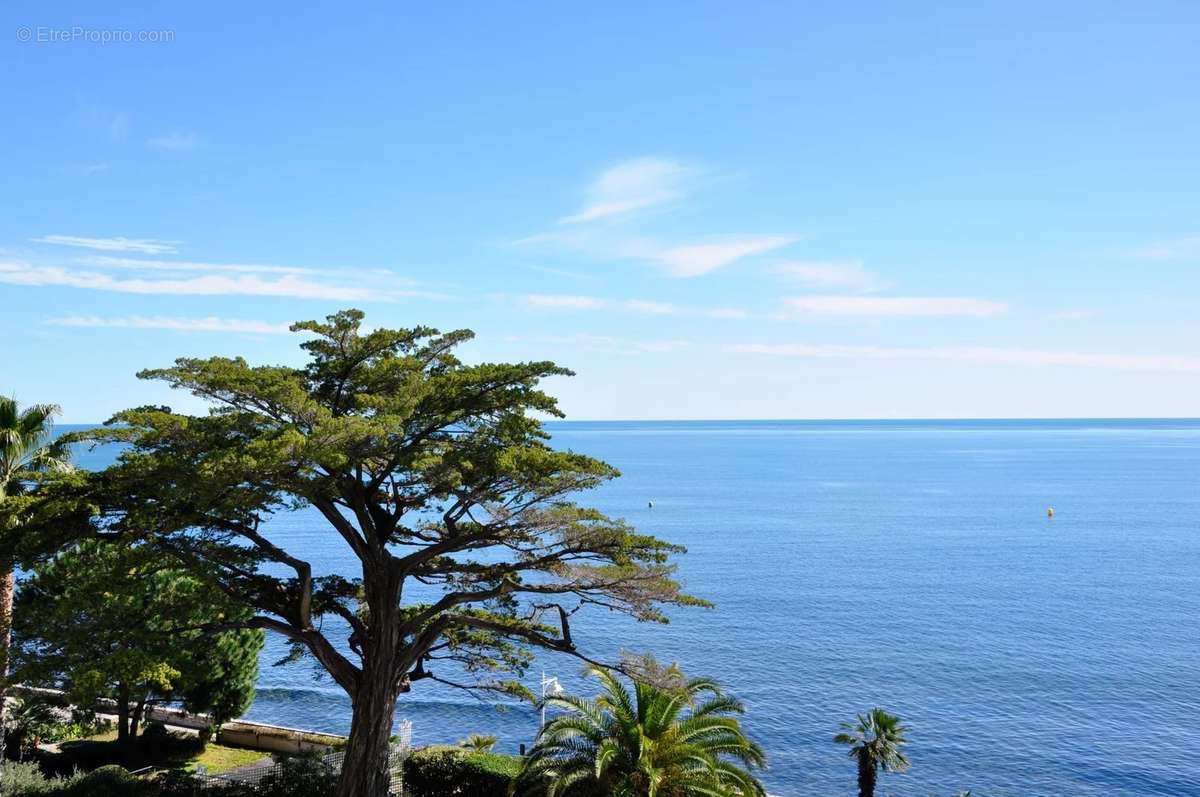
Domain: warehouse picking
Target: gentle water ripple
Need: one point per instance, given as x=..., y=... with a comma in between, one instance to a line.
x=908, y=565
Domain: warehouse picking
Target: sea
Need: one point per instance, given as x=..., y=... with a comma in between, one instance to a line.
x=913, y=566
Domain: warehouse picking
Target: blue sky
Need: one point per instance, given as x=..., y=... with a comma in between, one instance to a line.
x=760, y=210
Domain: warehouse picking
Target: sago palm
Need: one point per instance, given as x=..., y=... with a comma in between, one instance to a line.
x=875, y=740
x=27, y=447
x=664, y=740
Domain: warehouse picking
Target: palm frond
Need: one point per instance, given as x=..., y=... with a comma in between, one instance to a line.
x=667, y=737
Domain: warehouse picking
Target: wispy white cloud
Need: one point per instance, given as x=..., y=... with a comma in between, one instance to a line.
x=564, y=302
x=178, y=141
x=647, y=307
x=1177, y=249
x=635, y=306
x=837, y=274
x=147, y=246
x=727, y=312
x=677, y=259
x=662, y=346
x=692, y=260
x=149, y=275
x=562, y=272
x=86, y=169
x=978, y=355
x=1071, y=315
x=206, y=324
x=636, y=185
x=141, y=264
x=288, y=285
x=607, y=344
x=894, y=306
x=633, y=185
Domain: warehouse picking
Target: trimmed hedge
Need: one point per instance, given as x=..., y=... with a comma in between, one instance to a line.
x=454, y=772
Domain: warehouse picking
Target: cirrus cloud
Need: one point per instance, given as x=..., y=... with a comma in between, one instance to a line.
x=178, y=141
x=206, y=324
x=647, y=307
x=1177, y=249
x=983, y=355
x=564, y=302
x=146, y=246
x=288, y=285
x=840, y=274
x=695, y=259
x=633, y=185
x=894, y=306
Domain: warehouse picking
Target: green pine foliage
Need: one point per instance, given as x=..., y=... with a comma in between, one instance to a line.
x=434, y=474
x=102, y=619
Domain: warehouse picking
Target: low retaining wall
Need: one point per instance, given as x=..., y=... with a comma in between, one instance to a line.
x=276, y=738
x=237, y=733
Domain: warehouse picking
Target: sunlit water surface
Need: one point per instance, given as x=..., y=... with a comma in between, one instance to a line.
x=908, y=565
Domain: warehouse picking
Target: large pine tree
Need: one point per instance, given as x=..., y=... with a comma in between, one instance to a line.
x=433, y=474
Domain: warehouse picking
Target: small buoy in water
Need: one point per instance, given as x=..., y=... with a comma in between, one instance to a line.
x=1050, y=512
x=651, y=504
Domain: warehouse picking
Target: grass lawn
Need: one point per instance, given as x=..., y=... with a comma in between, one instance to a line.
x=175, y=751
x=218, y=758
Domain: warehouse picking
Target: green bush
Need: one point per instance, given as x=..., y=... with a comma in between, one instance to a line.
x=304, y=776
x=109, y=781
x=454, y=772
x=25, y=779
x=156, y=740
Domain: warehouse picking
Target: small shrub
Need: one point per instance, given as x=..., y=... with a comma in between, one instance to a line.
x=155, y=731
x=109, y=781
x=156, y=739
x=454, y=772
x=25, y=779
x=303, y=776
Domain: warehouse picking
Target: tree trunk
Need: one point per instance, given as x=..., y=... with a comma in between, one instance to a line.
x=135, y=721
x=7, y=584
x=866, y=777
x=366, y=767
x=122, y=715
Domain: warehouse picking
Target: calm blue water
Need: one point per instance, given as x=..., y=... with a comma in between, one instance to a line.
x=908, y=565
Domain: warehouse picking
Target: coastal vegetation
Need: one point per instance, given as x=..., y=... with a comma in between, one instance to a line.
x=482, y=742
x=875, y=740
x=444, y=771
x=27, y=449
x=672, y=737
x=425, y=469
x=124, y=622
x=156, y=578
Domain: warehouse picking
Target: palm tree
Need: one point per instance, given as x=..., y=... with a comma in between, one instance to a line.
x=479, y=742
x=875, y=741
x=27, y=447
x=665, y=740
